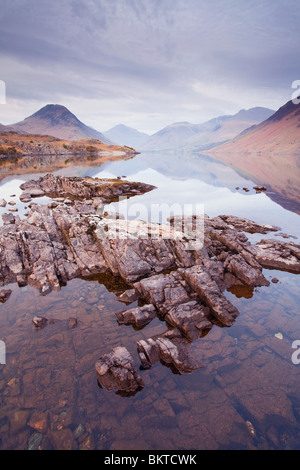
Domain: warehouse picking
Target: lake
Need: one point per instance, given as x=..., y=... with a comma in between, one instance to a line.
x=246, y=395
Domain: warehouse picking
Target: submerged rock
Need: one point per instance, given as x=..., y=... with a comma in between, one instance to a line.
x=5, y=294
x=39, y=322
x=116, y=371
x=83, y=188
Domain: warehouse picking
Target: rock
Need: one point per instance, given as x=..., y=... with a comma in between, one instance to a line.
x=8, y=218
x=170, y=348
x=139, y=316
x=25, y=197
x=12, y=203
x=259, y=188
x=276, y=254
x=72, y=322
x=190, y=318
x=3, y=202
x=116, y=371
x=38, y=421
x=87, y=188
x=129, y=296
x=39, y=322
x=275, y=280
x=246, y=225
x=5, y=294
x=36, y=192
x=209, y=292
x=249, y=275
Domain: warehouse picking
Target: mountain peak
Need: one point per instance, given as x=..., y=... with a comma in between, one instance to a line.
x=58, y=121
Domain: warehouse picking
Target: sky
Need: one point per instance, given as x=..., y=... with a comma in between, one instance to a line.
x=147, y=63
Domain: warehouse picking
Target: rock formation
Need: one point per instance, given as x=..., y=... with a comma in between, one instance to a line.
x=184, y=287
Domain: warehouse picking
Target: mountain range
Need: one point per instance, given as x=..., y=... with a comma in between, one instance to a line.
x=56, y=121
x=279, y=134
x=199, y=137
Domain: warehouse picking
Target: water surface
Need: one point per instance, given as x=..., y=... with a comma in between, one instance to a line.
x=246, y=395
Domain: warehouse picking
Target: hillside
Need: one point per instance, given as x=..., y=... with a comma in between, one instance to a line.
x=57, y=121
x=269, y=153
x=185, y=135
x=14, y=143
x=279, y=134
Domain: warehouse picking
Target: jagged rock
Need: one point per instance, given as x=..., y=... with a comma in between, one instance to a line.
x=173, y=299
x=8, y=218
x=139, y=316
x=85, y=188
x=190, y=318
x=129, y=296
x=3, y=202
x=249, y=275
x=116, y=371
x=169, y=348
x=246, y=225
x=259, y=189
x=209, y=292
x=276, y=254
x=36, y=192
x=25, y=197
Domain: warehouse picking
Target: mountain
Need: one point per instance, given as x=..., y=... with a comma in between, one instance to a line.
x=57, y=121
x=279, y=134
x=185, y=135
x=269, y=153
x=170, y=137
x=124, y=135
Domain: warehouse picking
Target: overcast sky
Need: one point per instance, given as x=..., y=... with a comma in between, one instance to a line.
x=147, y=63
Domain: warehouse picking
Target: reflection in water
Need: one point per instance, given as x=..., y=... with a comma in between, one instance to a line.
x=245, y=396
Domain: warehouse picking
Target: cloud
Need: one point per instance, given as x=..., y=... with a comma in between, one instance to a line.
x=147, y=63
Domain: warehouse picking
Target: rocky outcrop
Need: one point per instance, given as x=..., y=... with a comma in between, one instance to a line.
x=182, y=286
x=116, y=371
x=83, y=188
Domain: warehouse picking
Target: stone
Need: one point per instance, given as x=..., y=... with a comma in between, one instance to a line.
x=3, y=202
x=259, y=188
x=8, y=218
x=139, y=316
x=25, y=197
x=35, y=192
x=128, y=296
x=39, y=322
x=116, y=371
x=277, y=254
x=170, y=348
x=209, y=292
x=38, y=421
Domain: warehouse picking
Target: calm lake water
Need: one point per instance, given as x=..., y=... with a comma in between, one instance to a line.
x=246, y=395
